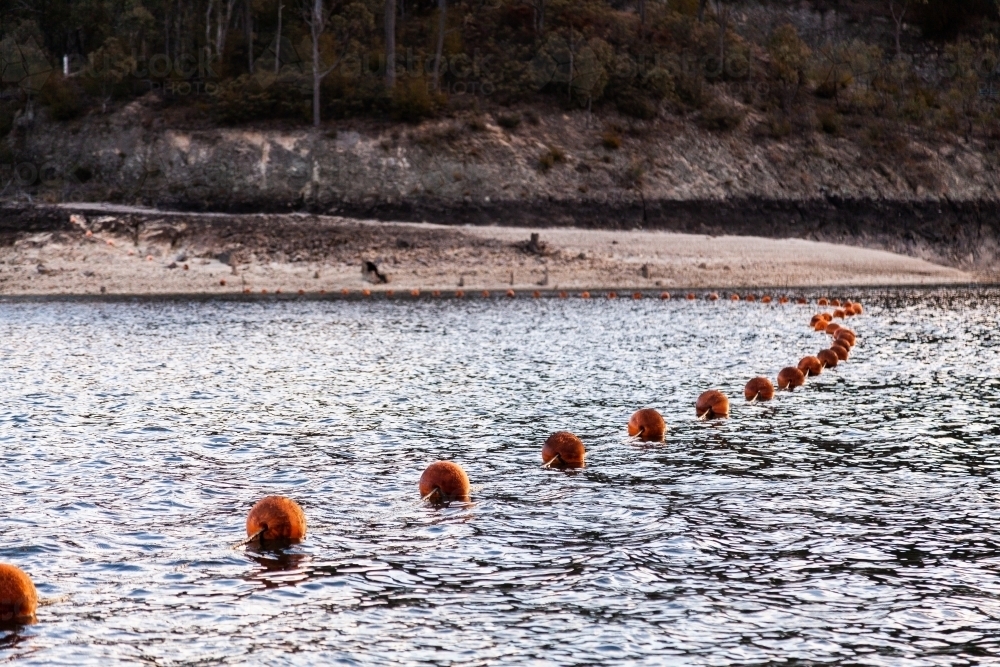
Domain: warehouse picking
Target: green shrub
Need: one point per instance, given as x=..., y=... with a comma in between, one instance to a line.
x=551, y=157
x=830, y=122
x=412, y=101
x=63, y=99
x=720, y=116
x=509, y=121
x=611, y=140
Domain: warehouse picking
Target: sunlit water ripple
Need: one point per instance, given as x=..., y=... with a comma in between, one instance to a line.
x=854, y=521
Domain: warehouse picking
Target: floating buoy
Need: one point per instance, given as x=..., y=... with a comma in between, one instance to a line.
x=840, y=351
x=810, y=365
x=735, y=297
x=443, y=481
x=835, y=302
x=18, y=597
x=664, y=296
x=366, y=292
x=612, y=295
x=414, y=292
x=783, y=300
x=832, y=328
x=791, y=377
x=322, y=291
x=636, y=295
x=510, y=294
x=759, y=389
x=486, y=294
x=277, y=291
x=563, y=450
x=389, y=293
x=301, y=292
x=801, y=301
x=823, y=302
x=436, y=293
x=536, y=295
x=563, y=295
x=829, y=358
x=766, y=299
x=276, y=518
x=713, y=297
x=845, y=335
x=821, y=325
x=585, y=295
x=711, y=405
x=647, y=425
x=691, y=297
x=263, y=291
x=858, y=309
x=246, y=290
x=839, y=314
x=459, y=294
x=751, y=298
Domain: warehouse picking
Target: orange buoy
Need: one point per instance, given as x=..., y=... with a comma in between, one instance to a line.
x=585, y=295
x=246, y=290
x=459, y=294
x=18, y=597
x=823, y=302
x=647, y=425
x=759, y=388
x=735, y=297
x=858, y=309
x=277, y=291
x=835, y=302
x=276, y=518
x=846, y=336
x=636, y=295
x=711, y=405
x=436, y=293
x=791, y=377
x=223, y=282
x=563, y=295
x=691, y=297
x=713, y=297
x=612, y=295
x=816, y=318
x=829, y=358
x=536, y=295
x=322, y=291
x=366, y=292
x=563, y=450
x=486, y=294
x=414, y=292
x=840, y=351
x=750, y=297
x=820, y=325
x=345, y=291
x=766, y=299
x=810, y=366
x=831, y=328
x=801, y=301
x=783, y=300
x=301, y=292
x=510, y=294
x=389, y=293
x=839, y=314
x=443, y=481
x=664, y=296
x=263, y=291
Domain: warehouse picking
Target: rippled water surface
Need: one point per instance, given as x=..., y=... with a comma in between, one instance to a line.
x=856, y=521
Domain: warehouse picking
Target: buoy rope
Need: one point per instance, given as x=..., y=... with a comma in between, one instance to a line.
x=253, y=537
x=548, y=464
x=436, y=489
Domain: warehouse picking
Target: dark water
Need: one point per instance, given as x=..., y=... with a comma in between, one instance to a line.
x=857, y=521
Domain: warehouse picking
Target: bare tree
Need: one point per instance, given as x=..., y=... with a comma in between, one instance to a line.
x=350, y=24
x=701, y=10
x=898, y=9
x=723, y=12
x=248, y=32
x=277, y=41
x=390, y=44
x=442, y=24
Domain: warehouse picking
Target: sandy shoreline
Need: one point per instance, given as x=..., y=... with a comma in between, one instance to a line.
x=152, y=253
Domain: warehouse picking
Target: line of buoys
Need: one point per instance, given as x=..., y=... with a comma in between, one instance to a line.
x=18, y=597
x=563, y=450
x=647, y=425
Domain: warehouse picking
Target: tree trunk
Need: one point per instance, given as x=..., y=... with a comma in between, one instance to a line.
x=316, y=28
x=642, y=13
x=248, y=33
x=390, y=44
x=701, y=10
x=277, y=43
x=208, y=26
x=442, y=24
